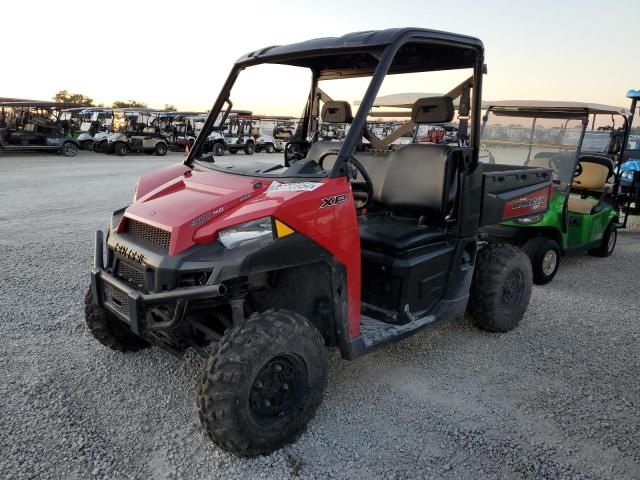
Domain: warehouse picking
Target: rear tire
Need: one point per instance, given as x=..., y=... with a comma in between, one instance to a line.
x=121, y=149
x=108, y=330
x=69, y=149
x=544, y=255
x=249, y=148
x=501, y=287
x=264, y=383
x=270, y=148
x=609, y=240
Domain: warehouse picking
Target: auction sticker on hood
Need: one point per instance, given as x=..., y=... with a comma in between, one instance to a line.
x=293, y=187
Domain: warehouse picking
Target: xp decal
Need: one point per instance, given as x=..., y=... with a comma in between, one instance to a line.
x=334, y=200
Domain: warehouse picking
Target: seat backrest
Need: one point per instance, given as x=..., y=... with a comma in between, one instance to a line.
x=595, y=172
x=420, y=178
x=336, y=111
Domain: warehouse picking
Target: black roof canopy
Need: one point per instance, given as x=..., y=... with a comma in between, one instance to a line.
x=354, y=54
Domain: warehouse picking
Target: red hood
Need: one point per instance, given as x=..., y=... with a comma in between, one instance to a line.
x=196, y=205
x=191, y=201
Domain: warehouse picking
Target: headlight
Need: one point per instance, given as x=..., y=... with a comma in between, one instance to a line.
x=627, y=175
x=530, y=219
x=256, y=230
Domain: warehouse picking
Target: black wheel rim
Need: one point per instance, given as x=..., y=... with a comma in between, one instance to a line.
x=512, y=290
x=279, y=388
x=611, y=244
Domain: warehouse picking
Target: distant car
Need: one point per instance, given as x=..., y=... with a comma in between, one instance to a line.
x=40, y=134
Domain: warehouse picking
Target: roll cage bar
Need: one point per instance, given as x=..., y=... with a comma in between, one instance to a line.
x=360, y=54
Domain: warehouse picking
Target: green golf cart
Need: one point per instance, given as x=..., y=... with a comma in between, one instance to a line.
x=582, y=143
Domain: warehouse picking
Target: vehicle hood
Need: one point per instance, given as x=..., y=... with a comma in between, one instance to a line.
x=195, y=205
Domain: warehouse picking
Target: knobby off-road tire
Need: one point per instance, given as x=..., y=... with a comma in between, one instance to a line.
x=501, y=287
x=609, y=240
x=544, y=254
x=263, y=383
x=108, y=330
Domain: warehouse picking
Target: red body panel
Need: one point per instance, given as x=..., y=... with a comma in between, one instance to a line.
x=195, y=205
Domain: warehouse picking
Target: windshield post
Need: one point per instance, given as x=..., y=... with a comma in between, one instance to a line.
x=213, y=114
x=358, y=123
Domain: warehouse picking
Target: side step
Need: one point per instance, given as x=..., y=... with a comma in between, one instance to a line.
x=376, y=333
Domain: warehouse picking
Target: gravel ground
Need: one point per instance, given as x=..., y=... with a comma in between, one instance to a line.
x=556, y=398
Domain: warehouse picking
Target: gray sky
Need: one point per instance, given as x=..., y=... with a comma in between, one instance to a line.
x=180, y=52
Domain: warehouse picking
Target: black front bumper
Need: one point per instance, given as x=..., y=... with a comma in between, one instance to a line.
x=131, y=305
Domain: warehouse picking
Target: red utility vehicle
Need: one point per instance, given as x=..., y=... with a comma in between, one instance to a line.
x=259, y=265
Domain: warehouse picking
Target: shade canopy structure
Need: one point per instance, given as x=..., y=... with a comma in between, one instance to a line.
x=544, y=108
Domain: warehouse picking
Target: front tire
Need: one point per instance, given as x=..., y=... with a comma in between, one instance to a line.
x=270, y=148
x=218, y=149
x=501, y=287
x=108, y=330
x=249, y=148
x=608, y=245
x=544, y=255
x=264, y=383
x=121, y=149
x=161, y=149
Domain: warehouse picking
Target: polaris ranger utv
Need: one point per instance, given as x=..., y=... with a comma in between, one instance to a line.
x=583, y=144
x=259, y=266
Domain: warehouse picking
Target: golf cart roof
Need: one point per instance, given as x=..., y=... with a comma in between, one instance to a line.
x=551, y=107
x=349, y=55
x=36, y=104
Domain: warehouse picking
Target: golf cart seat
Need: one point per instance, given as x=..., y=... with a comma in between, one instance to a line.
x=594, y=171
x=417, y=191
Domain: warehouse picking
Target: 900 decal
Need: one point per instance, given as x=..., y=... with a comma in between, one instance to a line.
x=334, y=200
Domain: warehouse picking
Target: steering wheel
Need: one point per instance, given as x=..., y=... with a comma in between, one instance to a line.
x=365, y=187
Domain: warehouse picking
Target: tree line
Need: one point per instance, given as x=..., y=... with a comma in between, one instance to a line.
x=64, y=96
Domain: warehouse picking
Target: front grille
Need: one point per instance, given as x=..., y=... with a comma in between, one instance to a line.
x=116, y=299
x=130, y=274
x=155, y=235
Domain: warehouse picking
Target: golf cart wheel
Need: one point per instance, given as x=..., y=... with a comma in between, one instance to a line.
x=218, y=149
x=270, y=148
x=161, y=149
x=108, y=330
x=263, y=383
x=121, y=149
x=233, y=150
x=608, y=244
x=501, y=287
x=249, y=148
x=69, y=149
x=544, y=255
